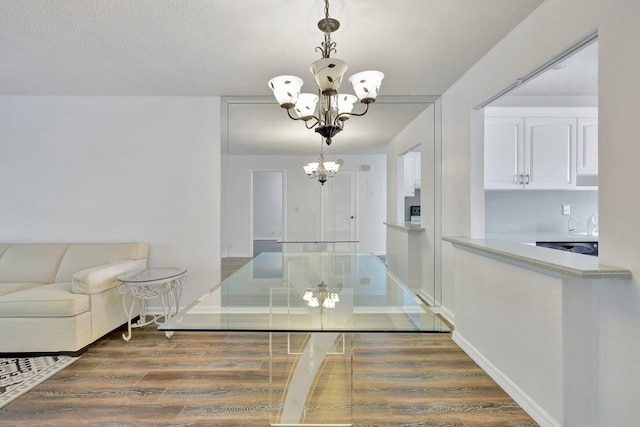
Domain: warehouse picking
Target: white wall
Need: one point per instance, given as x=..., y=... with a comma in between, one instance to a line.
x=548, y=30
x=619, y=150
x=502, y=330
x=303, y=198
x=115, y=169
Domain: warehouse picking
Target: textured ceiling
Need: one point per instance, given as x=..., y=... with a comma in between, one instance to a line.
x=575, y=76
x=233, y=47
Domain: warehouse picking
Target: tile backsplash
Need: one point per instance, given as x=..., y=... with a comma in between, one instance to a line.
x=526, y=211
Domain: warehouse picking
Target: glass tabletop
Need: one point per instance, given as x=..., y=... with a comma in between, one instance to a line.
x=151, y=275
x=309, y=292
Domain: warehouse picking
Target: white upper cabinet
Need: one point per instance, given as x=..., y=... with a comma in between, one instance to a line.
x=503, y=152
x=412, y=167
x=539, y=148
x=587, y=159
x=549, y=152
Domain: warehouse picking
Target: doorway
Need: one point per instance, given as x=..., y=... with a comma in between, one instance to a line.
x=339, y=213
x=409, y=186
x=268, y=207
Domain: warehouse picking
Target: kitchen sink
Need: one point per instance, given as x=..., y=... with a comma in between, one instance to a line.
x=585, y=248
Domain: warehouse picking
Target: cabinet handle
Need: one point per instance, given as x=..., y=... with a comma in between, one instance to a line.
x=517, y=179
x=527, y=176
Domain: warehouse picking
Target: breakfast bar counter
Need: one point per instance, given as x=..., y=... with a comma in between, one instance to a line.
x=519, y=305
x=551, y=260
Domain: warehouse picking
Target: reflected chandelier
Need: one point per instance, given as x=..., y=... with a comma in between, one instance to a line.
x=328, y=110
x=321, y=296
x=321, y=170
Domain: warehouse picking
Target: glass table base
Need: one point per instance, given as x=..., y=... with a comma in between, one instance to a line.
x=310, y=379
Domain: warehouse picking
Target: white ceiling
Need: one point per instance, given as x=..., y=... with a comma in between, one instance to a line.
x=232, y=48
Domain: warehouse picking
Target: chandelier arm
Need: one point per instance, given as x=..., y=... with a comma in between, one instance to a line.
x=312, y=125
x=305, y=118
x=351, y=114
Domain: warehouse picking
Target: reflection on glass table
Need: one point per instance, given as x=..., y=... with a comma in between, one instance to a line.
x=267, y=294
x=310, y=304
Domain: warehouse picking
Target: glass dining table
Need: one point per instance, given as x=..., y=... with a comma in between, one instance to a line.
x=310, y=304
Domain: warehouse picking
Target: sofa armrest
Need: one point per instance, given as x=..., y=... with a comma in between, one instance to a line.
x=97, y=279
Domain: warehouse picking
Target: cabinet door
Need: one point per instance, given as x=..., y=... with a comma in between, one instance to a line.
x=409, y=183
x=587, y=158
x=549, y=153
x=503, y=152
x=417, y=169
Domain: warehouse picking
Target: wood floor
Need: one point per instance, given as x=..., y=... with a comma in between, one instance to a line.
x=222, y=379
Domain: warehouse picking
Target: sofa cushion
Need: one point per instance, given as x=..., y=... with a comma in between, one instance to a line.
x=53, y=300
x=31, y=263
x=97, y=279
x=9, y=288
x=82, y=256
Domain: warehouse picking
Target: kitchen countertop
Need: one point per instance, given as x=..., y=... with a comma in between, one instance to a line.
x=567, y=263
x=406, y=226
x=543, y=237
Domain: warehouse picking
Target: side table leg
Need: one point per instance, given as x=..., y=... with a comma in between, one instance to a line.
x=173, y=300
x=167, y=307
x=128, y=312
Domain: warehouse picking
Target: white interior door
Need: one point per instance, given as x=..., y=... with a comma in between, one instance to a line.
x=340, y=220
x=267, y=212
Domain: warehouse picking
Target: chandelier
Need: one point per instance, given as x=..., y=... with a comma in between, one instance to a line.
x=321, y=170
x=328, y=110
x=321, y=296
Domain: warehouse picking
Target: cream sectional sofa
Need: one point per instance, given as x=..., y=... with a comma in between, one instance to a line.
x=62, y=297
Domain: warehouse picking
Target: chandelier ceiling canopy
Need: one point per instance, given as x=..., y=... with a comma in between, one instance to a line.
x=327, y=110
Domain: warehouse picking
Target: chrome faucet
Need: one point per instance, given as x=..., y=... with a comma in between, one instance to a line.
x=575, y=222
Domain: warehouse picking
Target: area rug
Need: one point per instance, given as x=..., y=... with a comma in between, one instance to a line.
x=18, y=375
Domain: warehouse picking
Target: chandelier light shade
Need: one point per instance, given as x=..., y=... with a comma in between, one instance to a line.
x=286, y=90
x=345, y=106
x=366, y=85
x=328, y=73
x=306, y=105
x=327, y=111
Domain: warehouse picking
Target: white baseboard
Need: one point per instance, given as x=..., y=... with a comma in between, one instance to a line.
x=447, y=314
x=534, y=410
x=425, y=296
x=438, y=309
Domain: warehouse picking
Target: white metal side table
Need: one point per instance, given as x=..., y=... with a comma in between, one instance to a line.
x=141, y=286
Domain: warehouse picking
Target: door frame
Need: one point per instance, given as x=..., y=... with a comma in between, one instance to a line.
x=252, y=173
